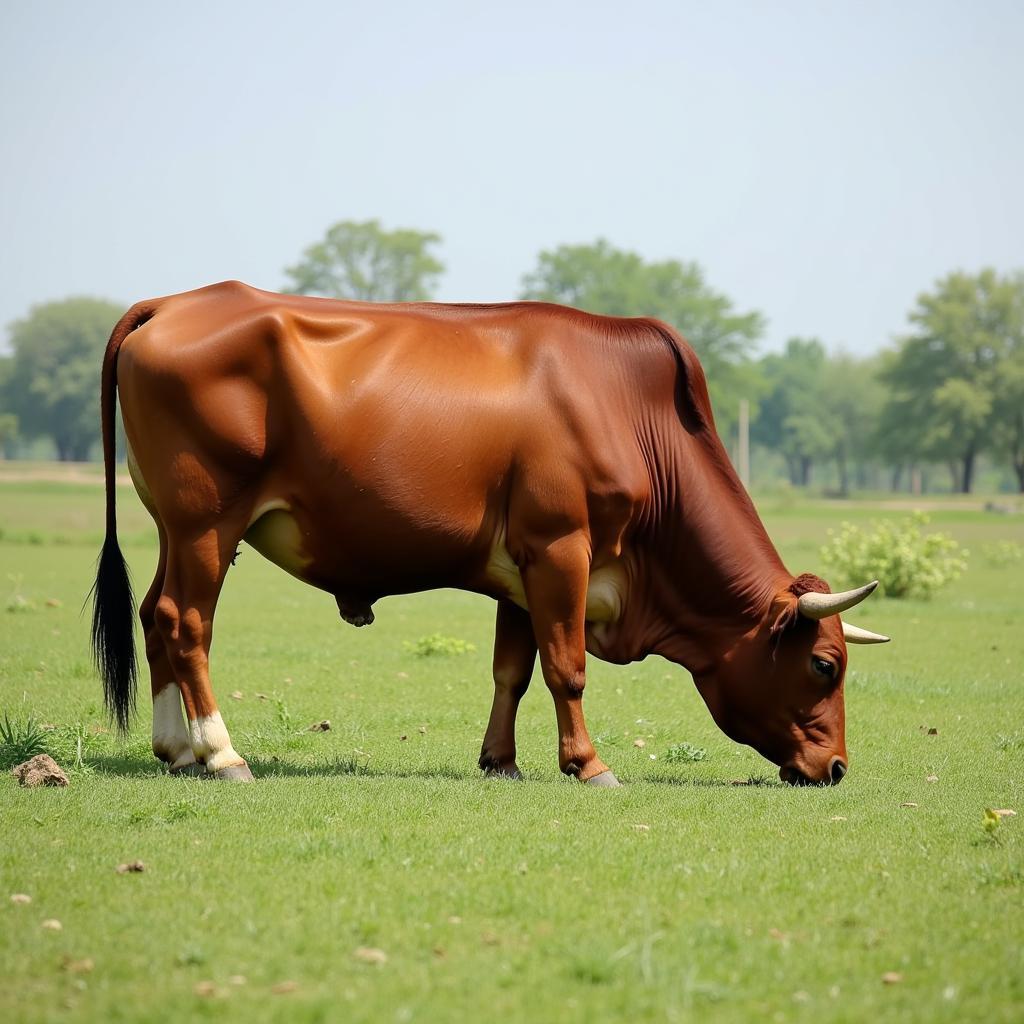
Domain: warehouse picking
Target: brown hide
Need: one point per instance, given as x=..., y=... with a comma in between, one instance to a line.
x=562, y=463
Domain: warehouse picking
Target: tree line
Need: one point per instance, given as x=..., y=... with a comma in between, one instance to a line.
x=921, y=414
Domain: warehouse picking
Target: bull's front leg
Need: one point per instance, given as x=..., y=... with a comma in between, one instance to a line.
x=555, y=580
x=515, y=652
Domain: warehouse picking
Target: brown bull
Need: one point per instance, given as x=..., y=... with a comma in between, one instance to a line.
x=565, y=464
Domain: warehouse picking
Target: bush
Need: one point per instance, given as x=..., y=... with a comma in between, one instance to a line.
x=1003, y=554
x=438, y=644
x=905, y=560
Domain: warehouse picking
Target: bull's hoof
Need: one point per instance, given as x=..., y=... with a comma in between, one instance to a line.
x=193, y=769
x=605, y=779
x=233, y=773
x=503, y=773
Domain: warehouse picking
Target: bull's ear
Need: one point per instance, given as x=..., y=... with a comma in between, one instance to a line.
x=784, y=612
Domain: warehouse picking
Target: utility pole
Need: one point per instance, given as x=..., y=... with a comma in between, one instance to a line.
x=744, y=445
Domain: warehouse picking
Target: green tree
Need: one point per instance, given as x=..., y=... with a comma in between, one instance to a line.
x=945, y=376
x=851, y=399
x=360, y=260
x=794, y=415
x=54, y=382
x=1008, y=400
x=603, y=279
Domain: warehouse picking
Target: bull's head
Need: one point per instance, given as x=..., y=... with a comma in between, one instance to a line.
x=779, y=689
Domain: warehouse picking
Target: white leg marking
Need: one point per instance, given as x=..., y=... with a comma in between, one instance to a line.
x=170, y=737
x=211, y=743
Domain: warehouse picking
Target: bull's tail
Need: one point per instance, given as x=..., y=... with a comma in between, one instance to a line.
x=113, y=607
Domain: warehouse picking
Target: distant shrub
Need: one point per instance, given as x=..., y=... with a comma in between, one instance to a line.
x=438, y=644
x=684, y=753
x=907, y=561
x=1003, y=554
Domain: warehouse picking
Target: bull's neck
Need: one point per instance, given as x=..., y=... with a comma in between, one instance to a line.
x=716, y=571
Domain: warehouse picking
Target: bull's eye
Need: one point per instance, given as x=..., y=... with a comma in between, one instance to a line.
x=824, y=667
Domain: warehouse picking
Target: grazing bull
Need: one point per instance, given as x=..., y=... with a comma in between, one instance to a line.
x=565, y=464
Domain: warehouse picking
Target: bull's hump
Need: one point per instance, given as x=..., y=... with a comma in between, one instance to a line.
x=606, y=589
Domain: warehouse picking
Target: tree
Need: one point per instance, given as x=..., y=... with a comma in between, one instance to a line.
x=360, y=260
x=603, y=279
x=851, y=399
x=54, y=382
x=794, y=417
x=945, y=377
x=1008, y=400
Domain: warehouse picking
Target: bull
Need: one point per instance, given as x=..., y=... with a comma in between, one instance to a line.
x=564, y=464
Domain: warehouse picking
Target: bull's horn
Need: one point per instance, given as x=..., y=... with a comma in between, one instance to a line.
x=856, y=635
x=820, y=606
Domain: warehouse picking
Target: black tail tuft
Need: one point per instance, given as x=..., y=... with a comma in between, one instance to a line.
x=113, y=605
x=113, y=633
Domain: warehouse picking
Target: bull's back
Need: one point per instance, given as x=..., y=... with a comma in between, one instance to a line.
x=369, y=446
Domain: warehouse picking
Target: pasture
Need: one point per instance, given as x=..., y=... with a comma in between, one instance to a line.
x=703, y=889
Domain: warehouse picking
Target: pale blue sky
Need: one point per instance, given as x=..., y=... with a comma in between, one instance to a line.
x=824, y=162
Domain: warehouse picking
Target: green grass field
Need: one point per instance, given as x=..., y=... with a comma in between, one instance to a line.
x=682, y=896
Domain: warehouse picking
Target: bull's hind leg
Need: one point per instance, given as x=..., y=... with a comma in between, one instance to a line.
x=515, y=652
x=170, y=737
x=196, y=567
x=555, y=580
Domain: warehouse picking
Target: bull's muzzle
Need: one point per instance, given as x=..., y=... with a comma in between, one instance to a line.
x=795, y=777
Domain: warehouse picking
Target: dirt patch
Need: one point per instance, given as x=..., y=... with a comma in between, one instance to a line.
x=41, y=770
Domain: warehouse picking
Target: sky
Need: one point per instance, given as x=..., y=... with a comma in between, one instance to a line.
x=824, y=162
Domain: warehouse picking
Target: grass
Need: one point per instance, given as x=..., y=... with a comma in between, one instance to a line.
x=682, y=896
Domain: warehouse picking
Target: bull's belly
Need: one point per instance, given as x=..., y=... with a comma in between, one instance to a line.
x=274, y=532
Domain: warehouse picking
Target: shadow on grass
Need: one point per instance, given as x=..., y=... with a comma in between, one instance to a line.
x=145, y=766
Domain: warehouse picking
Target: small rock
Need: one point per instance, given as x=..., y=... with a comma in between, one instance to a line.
x=20, y=897
x=133, y=867
x=369, y=955
x=237, y=695
x=931, y=778
x=282, y=988
x=639, y=743
x=892, y=978
x=422, y=730
x=40, y=770
x=262, y=696
x=932, y=731
x=51, y=924
x=324, y=726
x=403, y=736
